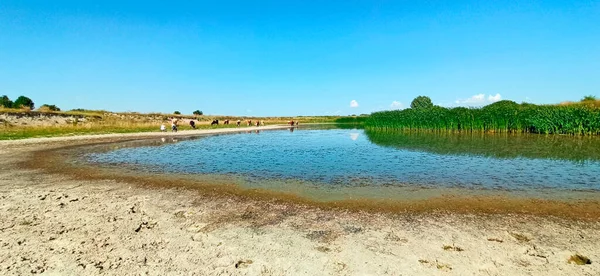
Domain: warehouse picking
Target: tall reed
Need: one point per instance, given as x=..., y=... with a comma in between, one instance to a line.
x=503, y=116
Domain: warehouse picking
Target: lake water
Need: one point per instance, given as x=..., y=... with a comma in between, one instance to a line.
x=359, y=158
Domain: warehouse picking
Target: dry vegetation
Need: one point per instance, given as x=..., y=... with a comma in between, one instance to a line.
x=23, y=123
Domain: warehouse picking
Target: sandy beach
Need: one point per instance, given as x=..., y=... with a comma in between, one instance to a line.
x=59, y=223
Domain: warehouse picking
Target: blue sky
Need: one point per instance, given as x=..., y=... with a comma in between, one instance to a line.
x=287, y=58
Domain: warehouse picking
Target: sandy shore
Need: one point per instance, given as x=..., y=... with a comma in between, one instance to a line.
x=56, y=223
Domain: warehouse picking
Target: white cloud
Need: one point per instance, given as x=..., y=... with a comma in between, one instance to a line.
x=354, y=136
x=493, y=99
x=479, y=99
x=475, y=99
x=397, y=105
x=353, y=103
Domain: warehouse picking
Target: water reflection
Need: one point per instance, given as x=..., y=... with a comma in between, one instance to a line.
x=573, y=148
x=328, y=157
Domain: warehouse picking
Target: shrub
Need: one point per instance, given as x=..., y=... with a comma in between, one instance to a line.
x=589, y=98
x=198, y=112
x=177, y=113
x=49, y=107
x=23, y=102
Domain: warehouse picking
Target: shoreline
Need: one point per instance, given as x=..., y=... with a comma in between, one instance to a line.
x=181, y=133
x=57, y=223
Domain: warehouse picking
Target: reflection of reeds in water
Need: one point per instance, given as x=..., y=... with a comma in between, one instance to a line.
x=496, y=145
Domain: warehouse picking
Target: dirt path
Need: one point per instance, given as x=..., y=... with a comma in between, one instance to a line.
x=54, y=224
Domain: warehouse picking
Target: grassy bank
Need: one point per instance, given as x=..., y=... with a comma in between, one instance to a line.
x=21, y=124
x=504, y=117
x=12, y=133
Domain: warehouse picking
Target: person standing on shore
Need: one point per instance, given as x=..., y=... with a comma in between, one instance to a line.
x=173, y=124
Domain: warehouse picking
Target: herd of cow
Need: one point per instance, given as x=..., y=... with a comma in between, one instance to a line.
x=239, y=122
x=250, y=123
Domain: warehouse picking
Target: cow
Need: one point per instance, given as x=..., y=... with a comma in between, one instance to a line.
x=249, y=122
x=215, y=122
x=226, y=122
x=239, y=122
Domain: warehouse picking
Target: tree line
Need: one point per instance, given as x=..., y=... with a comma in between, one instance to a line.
x=23, y=102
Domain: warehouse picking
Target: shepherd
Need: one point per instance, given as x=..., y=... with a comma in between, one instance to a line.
x=173, y=124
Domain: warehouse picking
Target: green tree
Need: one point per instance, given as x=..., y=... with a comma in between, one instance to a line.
x=177, y=113
x=198, y=112
x=6, y=102
x=23, y=101
x=421, y=102
x=588, y=98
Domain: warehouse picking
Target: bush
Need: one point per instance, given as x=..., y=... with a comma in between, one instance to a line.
x=177, y=113
x=589, y=98
x=23, y=102
x=198, y=112
x=49, y=107
x=6, y=102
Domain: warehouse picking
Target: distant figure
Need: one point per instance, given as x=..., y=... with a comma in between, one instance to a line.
x=291, y=123
x=163, y=128
x=249, y=122
x=257, y=123
x=215, y=122
x=226, y=122
x=193, y=124
x=239, y=122
x=173, y=124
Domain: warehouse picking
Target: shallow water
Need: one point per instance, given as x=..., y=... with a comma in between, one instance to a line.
x=332, y=158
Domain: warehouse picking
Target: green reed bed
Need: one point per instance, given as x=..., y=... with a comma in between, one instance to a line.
x=503, y=117
x=352, y=120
